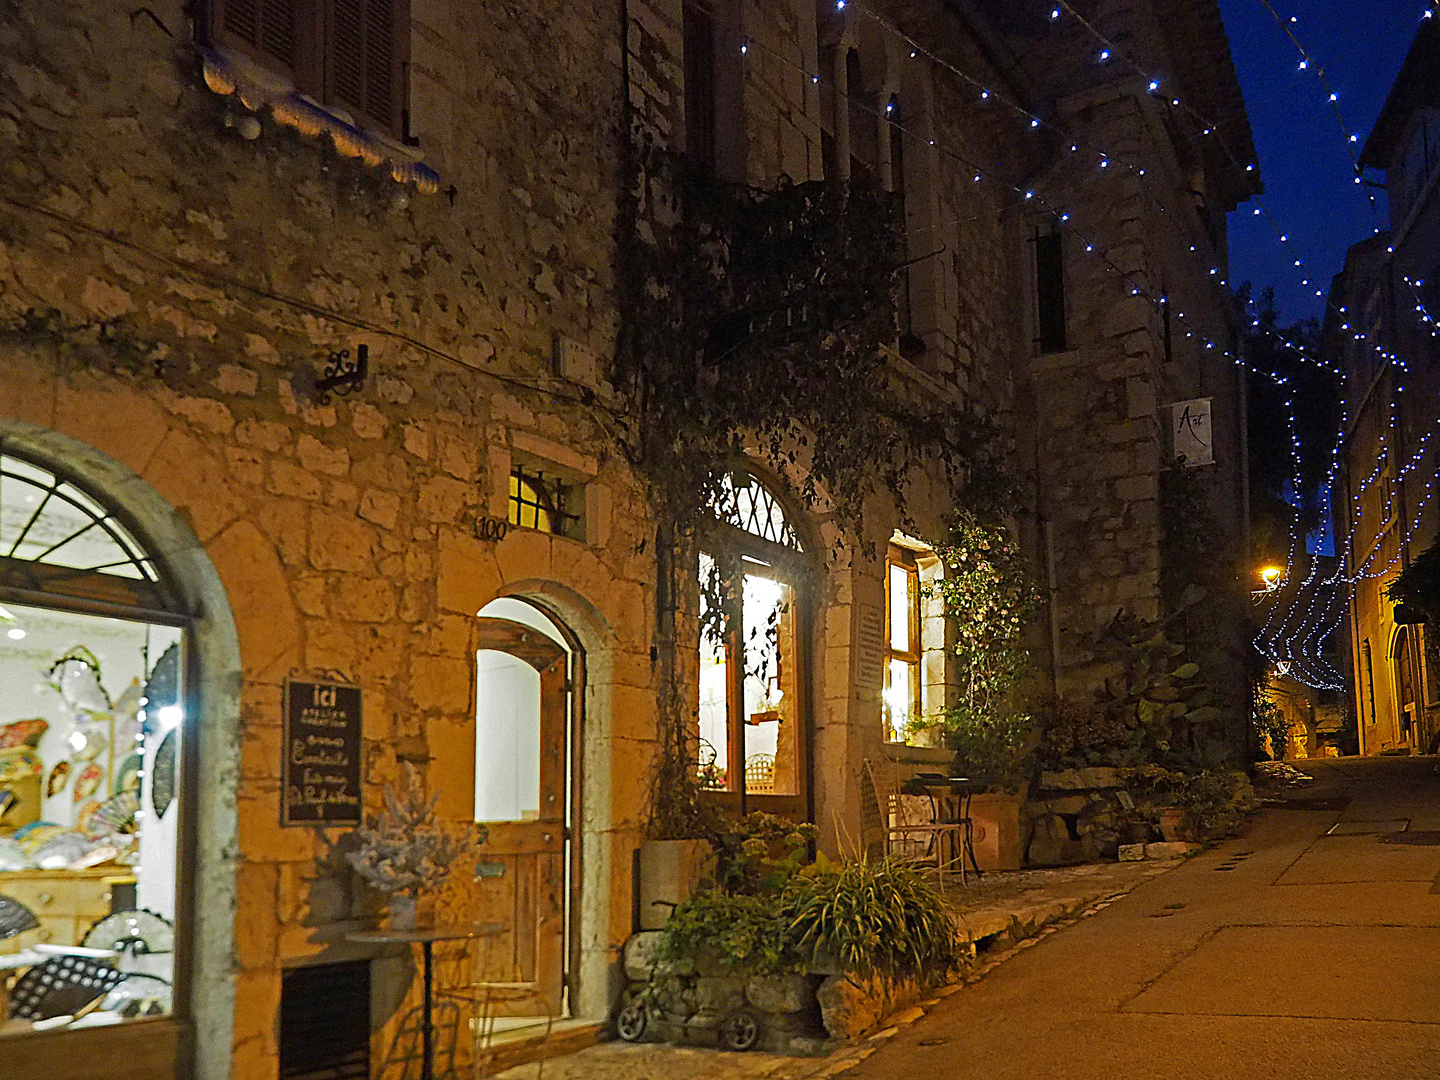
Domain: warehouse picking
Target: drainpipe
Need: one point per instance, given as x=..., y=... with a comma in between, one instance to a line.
x=1047, y=535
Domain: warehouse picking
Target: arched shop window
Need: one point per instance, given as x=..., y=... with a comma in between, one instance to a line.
x=92, y=713
x=753, y=642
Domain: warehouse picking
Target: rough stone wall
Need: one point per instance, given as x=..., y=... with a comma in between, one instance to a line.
x=165, y=281
x=1103, y=405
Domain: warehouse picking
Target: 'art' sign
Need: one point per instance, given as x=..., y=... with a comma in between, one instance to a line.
x=1191, y=433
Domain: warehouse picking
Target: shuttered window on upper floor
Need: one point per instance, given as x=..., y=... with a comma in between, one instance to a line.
x=347, y=54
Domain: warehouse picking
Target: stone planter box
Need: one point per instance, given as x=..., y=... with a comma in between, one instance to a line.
x=669, y=871
x=698, y=998
x=802, y=1014
x=997, y=840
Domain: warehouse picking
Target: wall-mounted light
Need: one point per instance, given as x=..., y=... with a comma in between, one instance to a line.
x=340, y=375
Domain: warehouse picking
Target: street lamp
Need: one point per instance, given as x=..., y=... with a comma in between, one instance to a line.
x=1271, y=576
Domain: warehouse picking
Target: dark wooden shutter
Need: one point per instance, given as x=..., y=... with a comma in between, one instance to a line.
x=699, y=43
x=1050, y=292
x=364, y=59
x=267, y=29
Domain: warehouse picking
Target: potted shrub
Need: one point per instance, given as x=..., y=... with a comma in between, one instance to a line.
x=406, y=851
x=993, y=751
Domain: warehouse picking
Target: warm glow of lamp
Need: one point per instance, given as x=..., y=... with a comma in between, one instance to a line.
x=1271, y=575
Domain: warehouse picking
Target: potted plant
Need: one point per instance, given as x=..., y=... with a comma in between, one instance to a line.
x=993, y=751
x=405, y=850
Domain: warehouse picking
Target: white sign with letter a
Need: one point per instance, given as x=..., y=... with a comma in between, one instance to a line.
x=1190, y=432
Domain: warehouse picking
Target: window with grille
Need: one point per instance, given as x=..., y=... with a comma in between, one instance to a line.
x=542, y=502
x=348, y=54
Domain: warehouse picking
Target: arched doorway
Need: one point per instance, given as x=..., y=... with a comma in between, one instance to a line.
x=527, y=681
x=1407, y=682
x=106, y=590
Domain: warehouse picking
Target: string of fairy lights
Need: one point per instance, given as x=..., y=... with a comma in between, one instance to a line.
x=1329, y=591
x=1333, y=588
x=1307, y=629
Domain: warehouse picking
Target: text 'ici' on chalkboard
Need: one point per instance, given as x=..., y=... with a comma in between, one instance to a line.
x=321, y=767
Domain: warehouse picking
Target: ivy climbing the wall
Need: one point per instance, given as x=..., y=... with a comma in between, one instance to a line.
x=758, y=324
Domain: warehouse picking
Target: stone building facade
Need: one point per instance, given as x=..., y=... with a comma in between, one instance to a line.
x=1380, y=329
x=206, y=222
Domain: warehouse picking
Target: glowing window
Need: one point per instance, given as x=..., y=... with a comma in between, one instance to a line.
x=745, y=503
x=540, y=502
x=45, y=519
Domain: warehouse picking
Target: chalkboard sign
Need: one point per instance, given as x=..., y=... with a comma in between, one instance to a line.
x=321, y=765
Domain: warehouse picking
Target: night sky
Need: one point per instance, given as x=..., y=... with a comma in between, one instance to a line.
x=1309, y=179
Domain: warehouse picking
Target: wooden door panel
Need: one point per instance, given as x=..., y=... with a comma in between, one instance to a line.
x=521, y=885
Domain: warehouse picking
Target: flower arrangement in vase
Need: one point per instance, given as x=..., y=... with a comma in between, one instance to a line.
x=405, y=850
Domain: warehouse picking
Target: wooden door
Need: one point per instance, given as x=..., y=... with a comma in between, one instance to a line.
x=520, y=880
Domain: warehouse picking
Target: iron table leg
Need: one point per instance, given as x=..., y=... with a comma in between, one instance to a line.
x=427, y=1061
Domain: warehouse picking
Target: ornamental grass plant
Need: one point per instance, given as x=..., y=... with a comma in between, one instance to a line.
x=867, y=917
x=864, y=918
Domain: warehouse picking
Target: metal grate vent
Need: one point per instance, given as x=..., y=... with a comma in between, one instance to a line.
x=325, y=1022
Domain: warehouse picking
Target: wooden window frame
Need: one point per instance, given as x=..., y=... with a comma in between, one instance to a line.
x=729, y=545
x=913, y=657
x=312, y=66
x=552, y=495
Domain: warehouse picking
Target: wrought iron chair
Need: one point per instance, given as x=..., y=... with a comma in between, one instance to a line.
x=760, y=774
x=909, y=822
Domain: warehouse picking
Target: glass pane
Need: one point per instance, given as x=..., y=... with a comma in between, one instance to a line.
x=71, y=528
x=95, y=720
x=507, y=738
x=753, y=508
x=900, y=704
x=772, y=724
x=900, y=608
x=714, y=733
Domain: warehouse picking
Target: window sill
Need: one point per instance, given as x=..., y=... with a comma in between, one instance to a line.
x=229, y=73
x=918, y=755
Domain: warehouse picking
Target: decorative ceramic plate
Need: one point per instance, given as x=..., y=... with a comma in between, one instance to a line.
x=136, y=932
x=127, y=775
x=162, y=790
x=88, y=780
x=15, y=918
x=59, y=777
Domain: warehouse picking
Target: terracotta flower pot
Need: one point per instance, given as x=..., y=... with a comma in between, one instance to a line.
x=1172, y=824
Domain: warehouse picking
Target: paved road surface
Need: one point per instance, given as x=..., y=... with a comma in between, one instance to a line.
x=1307, y=948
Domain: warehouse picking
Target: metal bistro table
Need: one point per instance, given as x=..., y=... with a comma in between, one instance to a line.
x=961, y=788
x=426, y=937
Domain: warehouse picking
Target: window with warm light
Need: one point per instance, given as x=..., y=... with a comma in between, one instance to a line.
x=541, y=502
x=902, y=701
x=751, y=721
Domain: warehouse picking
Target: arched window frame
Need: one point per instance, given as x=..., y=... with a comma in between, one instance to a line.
x=101, y=589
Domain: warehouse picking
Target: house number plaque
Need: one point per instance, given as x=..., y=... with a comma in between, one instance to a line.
x=320, y=770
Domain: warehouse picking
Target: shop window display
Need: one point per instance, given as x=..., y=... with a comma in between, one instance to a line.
x=91, y=715
x=88, y=757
